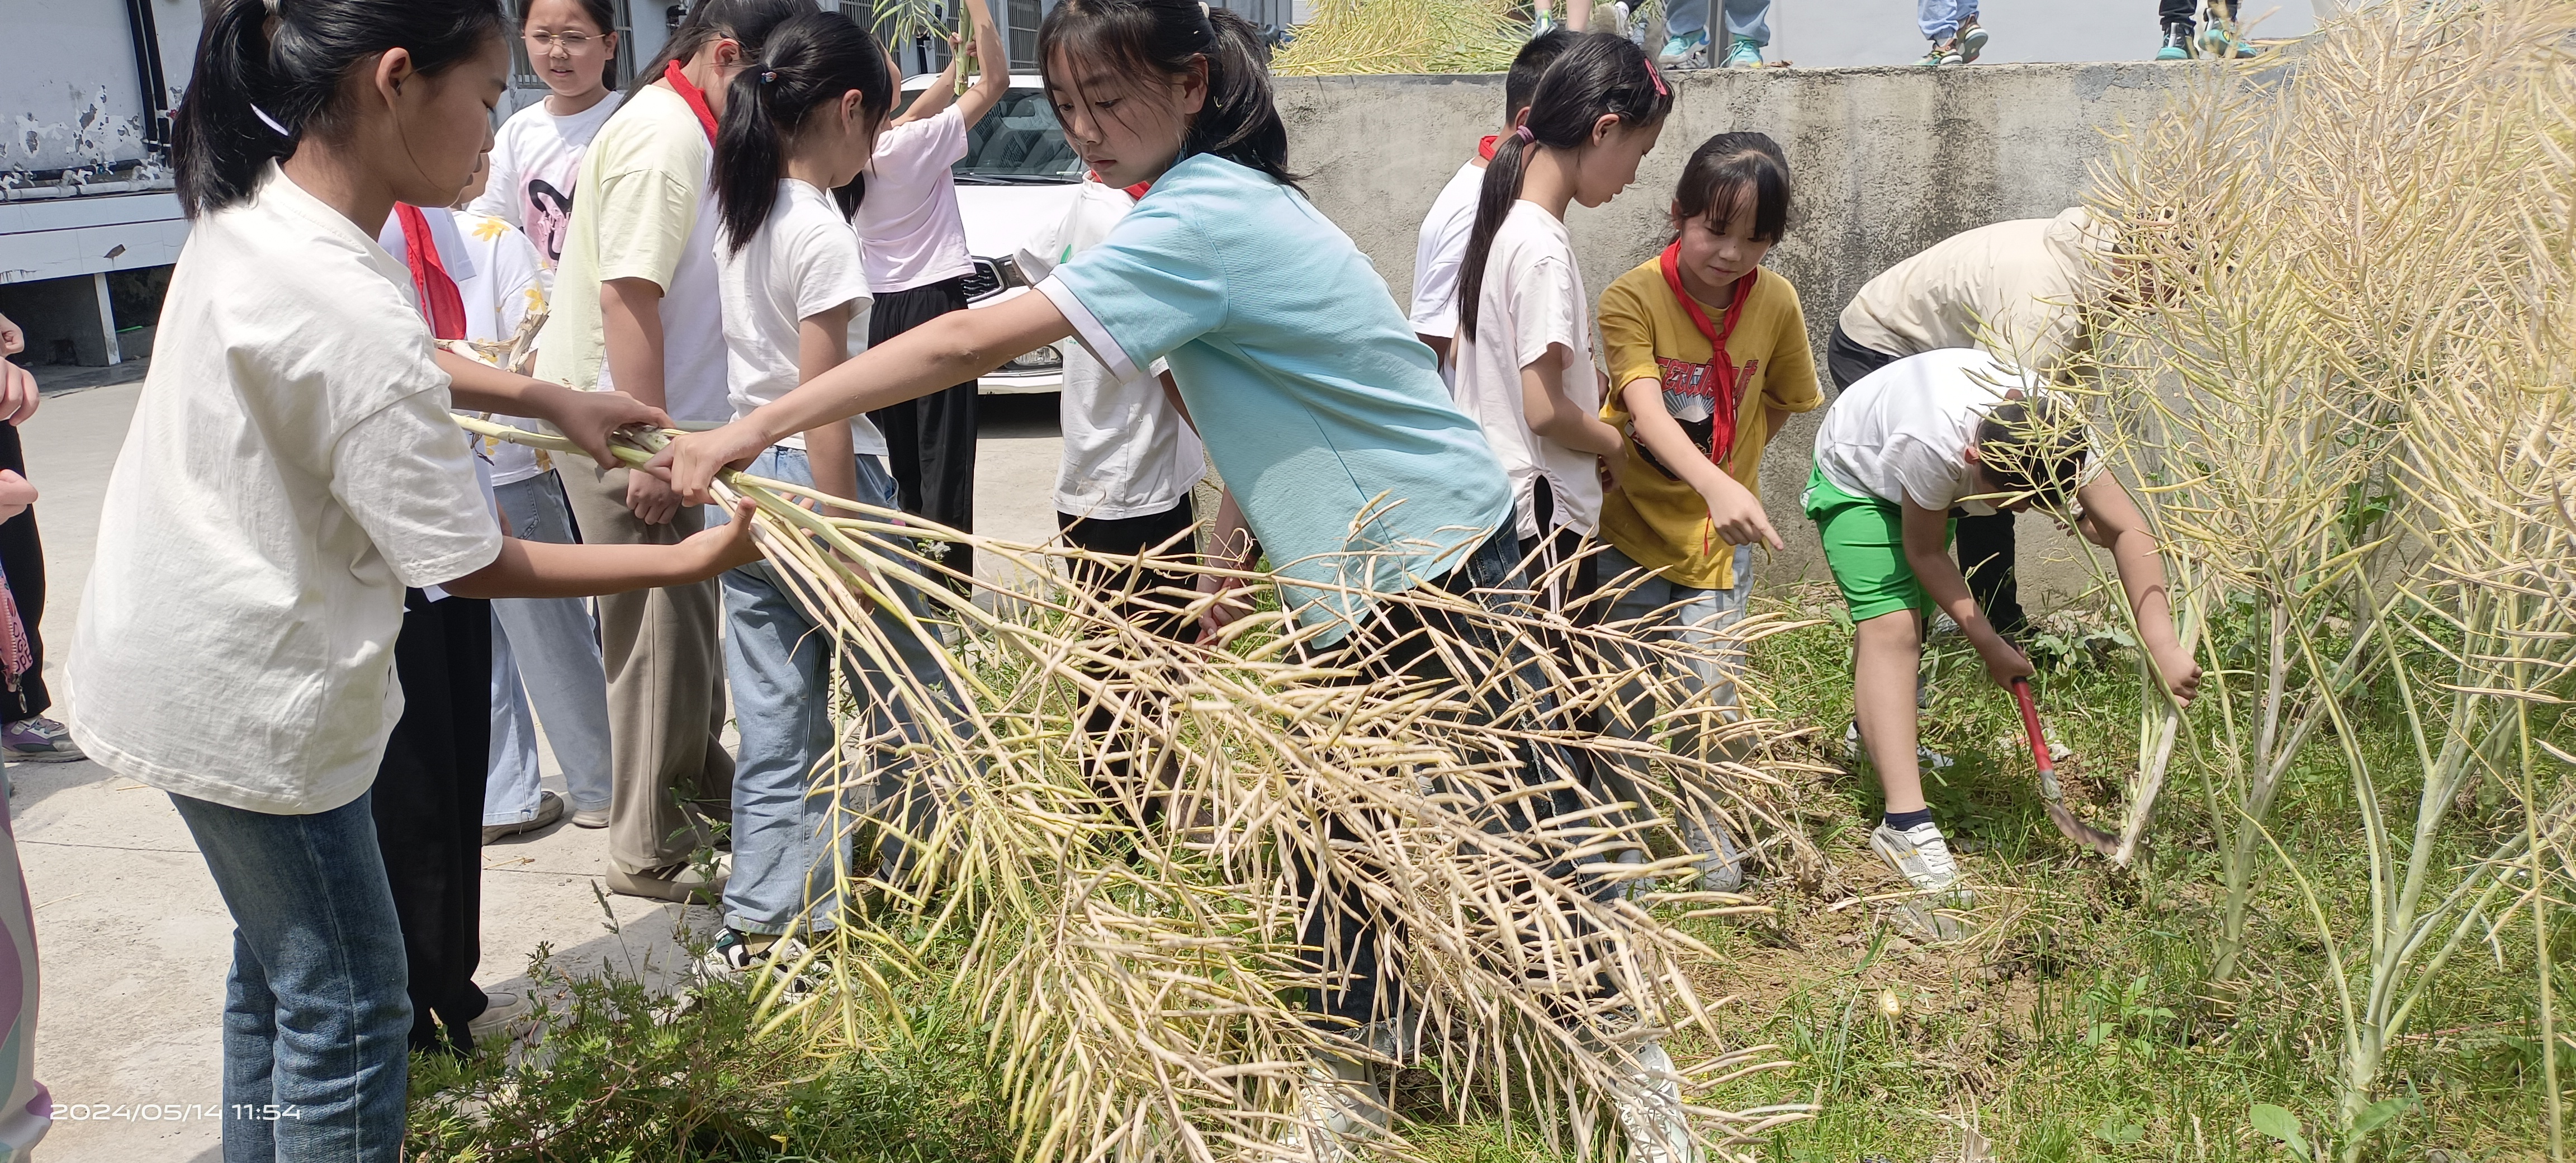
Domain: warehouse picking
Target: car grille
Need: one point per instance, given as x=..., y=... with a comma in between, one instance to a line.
x=985, y=283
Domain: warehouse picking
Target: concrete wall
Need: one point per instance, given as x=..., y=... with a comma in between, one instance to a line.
x=1887, y=160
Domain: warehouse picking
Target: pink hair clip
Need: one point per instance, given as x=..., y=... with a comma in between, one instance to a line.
x=1658, y=79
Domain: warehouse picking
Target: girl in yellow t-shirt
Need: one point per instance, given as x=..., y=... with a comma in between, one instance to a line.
x=1709, y=355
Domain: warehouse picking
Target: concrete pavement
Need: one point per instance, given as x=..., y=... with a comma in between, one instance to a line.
x=133, y=937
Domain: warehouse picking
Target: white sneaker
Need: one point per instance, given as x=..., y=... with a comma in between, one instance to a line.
x=746, y=957
x=1920, y=854
x=1340, y=1109
x=504, y=1015
x=1650, y=1111
x=1926, y=757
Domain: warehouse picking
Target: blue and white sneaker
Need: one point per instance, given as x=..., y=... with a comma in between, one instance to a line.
x=1971, y=40
x=1744, y=55
x=1687, y=51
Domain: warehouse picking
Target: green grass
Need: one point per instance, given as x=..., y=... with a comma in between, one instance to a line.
x=2070, y=1027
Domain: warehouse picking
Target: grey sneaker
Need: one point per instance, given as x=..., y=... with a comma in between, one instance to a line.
x=38, y=740
x=680, y=883
x=1721, y=864
x=550, y=808
x=1919, y=853
x=1650, y=1111
x=1340, y=1109
x=1971, y=40
x=1925, y=757
x=504, y=1017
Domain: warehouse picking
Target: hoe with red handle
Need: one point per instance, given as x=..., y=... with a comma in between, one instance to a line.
x=2073, y=827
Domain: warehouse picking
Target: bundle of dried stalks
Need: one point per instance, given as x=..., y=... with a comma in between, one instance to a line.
x=2338, y=359
x=1404, y=36
x=1141, y=909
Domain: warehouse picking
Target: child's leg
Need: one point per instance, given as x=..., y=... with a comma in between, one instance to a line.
x=777, y=664
x=896, y=709
x=1887, y=650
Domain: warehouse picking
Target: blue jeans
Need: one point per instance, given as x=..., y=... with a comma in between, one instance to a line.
x=1940, y=18
x=1656, y=608
x=317, y=1023
x=1748, y=19
x=788, y=819
x=555, y=648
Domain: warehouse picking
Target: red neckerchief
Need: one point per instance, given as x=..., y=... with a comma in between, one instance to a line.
x=439, y=301
x=1485, y=148
x=696, y=97
x=1721, y=434
x=1136, y=191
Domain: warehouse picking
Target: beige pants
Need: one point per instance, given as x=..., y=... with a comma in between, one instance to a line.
x=666, y=698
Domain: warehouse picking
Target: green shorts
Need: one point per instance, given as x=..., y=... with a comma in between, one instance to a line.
x=1865, y=548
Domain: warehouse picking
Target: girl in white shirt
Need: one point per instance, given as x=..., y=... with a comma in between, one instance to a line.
x=291, y=468
x=800, y=122
x=537, y=155
x=1524, y=359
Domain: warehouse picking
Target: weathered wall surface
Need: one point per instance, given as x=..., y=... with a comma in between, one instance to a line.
x=1887, y=160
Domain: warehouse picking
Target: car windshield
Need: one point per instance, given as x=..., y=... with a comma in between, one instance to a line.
x=1018, y=143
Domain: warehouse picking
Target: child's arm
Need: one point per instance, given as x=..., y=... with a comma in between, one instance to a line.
x=1925, y=532
x=585, y=418
x=822, y=342
x=1552, y=414
x=943, y=89
x=1231, y=545
x=1734, y=513
x=2112, y=521
x=992, y=66
x=952, y=349
x=630, y=318
x=536, y=569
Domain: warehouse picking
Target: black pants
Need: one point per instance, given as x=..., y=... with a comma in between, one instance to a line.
x=429, y=808
x=2178, y=12
x=1984, y=544
x=930, y=442
x=1116, y=744
x=22, y=556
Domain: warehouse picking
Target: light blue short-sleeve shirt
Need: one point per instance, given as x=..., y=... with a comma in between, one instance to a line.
x=1323, y=413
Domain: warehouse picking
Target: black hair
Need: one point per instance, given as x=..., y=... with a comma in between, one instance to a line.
x=602, y=17
x=1728, y=170
x=1163, y=38
x=745, y=22
x=2033, y=445
x=1528, y=66
x=248, y=75
x=1598, y=75
x=806, y=65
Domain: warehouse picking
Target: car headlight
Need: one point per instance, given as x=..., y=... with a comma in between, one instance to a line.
x=1044, y=359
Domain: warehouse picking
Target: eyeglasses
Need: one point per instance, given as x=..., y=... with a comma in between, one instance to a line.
x=571, y=42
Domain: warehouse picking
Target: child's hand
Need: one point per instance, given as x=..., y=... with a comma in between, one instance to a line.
x=2003, y=662
x=15, y=494
x=726, y=546
x=588, y=419
x=2181, y=674
x=1614, y=471
x=691, y=460
x=1227, y=608
x=1736, y=515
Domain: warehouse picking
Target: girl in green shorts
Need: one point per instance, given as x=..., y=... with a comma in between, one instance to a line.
x=1899, y=454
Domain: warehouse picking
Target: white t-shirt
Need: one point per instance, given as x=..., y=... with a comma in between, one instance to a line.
x=1532, y=299
x=1902, y=433
x=290, y=468
x=647, y=211
x=1127, y=452
x=909, y=223
x=804, y=261
x=1439, y=252
x=536, y=162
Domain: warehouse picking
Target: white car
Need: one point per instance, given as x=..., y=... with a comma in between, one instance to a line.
x=1018, y=177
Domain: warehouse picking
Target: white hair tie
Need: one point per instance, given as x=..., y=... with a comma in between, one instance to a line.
x=269, y=121
x=1203, y=9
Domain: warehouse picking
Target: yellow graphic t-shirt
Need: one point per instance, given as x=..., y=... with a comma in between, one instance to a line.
x=1657, y=519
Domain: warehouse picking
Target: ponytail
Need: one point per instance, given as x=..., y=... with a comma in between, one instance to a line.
x=745, y=22
x=1164, y=38
x=1598, y=76
x=806, y=65
x=268, y=74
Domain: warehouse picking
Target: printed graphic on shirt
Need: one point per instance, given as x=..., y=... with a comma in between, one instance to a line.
x=547, y=209
x=1690, y=394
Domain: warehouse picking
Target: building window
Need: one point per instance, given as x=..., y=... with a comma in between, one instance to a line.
x=1022, y=33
